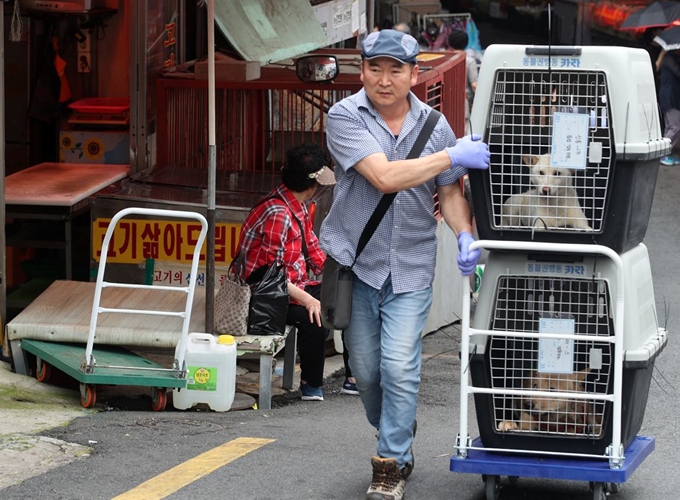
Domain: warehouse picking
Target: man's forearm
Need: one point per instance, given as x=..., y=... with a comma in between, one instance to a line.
x=392, y=176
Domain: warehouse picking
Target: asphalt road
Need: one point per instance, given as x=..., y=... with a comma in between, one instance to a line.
x=321, y=450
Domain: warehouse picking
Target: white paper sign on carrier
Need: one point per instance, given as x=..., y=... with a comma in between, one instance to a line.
x=570, y=141
x=556, y=355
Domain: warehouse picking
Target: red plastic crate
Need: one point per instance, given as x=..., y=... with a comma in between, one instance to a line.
x=101, y=105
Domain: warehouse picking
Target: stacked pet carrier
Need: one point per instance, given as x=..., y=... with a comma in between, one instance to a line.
x=565, y=332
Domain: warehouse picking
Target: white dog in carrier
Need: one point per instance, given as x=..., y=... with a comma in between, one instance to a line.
x=551, y=203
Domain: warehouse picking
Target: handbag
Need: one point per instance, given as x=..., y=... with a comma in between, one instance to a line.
x=232, y=305
x=269, y=300
x=336, y=282
x=257, y=306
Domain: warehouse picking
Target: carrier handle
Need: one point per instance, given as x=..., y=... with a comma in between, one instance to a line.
x=202, y=337
x=552, y=51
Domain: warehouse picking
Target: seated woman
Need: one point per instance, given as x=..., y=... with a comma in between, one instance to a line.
x=279, y=229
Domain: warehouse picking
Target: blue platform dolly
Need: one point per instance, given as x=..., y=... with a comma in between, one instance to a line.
x=559, y=355
x=602, y=478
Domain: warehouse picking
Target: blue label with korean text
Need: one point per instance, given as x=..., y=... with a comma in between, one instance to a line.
x=555, y=62
x=556, y=268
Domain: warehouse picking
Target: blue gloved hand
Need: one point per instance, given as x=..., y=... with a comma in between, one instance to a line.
x=467, y=260
x=470, y=152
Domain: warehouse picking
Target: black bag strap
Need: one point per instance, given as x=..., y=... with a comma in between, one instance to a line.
x=305, y=252
x=386, y=199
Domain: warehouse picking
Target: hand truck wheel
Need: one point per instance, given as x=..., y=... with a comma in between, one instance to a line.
x=88, y=395
x=493, y=487
x=599, y=491
x=614, y=487
x=43, y=371
x=159, y=398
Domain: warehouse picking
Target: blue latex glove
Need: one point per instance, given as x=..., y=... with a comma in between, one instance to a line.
x=470, y=152
x=467, y=260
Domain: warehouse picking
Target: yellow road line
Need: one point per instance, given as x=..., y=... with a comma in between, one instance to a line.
x=186, y=473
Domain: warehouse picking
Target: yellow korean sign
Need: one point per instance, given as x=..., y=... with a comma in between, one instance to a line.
x=135, y=240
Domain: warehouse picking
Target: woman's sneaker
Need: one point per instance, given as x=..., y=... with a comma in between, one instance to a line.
x=349, y=388
x=311, y=393
x=670, y=160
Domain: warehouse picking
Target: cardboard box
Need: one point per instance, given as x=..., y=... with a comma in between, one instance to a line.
x=228, y=69
x=94, y=146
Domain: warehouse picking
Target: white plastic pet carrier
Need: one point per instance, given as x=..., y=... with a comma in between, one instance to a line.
x=575, y=144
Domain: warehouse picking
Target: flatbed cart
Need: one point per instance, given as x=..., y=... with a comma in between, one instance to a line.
x=603, y=479
x=113, y=364
x=493, y=458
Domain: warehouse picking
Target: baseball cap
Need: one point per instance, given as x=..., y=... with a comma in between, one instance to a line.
x=390, y=43
x=324, y=177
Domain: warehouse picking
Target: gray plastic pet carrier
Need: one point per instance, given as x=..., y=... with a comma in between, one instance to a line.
x=553, y=318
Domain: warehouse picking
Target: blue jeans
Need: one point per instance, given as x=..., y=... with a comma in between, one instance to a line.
x=384, y=344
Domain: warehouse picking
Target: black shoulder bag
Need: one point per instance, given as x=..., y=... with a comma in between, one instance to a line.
x=336, y=283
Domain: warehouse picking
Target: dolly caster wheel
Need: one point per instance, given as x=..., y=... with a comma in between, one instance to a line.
x=493, y=487
x=88, y=395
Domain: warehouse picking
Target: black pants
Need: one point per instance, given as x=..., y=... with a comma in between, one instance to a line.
x=311, y=340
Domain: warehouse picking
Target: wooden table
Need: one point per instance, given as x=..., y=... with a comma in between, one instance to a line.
x=60, y=184
x=55, y=192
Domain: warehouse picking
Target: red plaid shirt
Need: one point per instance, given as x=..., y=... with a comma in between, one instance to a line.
x=271, y=234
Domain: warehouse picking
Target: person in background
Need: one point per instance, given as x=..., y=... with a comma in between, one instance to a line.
x=369, y=134
x=668, y=64
x=458, y=40
x=653, y=49
x=403, y=27
x=431, y=39
x=277, y=230
x=349, y=386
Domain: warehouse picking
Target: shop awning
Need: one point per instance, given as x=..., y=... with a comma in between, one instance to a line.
x=269, y=31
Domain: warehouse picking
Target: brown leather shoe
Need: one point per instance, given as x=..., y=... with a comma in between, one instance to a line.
x=387, y=483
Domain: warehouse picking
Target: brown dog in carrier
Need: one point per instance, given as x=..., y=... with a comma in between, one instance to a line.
x=554, y=414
